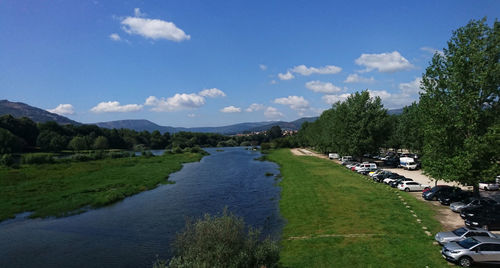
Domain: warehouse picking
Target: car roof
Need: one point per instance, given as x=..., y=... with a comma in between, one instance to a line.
x=487, y=239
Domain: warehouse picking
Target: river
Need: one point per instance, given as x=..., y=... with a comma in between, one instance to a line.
x=133, y=232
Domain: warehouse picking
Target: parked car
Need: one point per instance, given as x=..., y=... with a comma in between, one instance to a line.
x=472, y=202
x=473, y=212
x=454, y=196
x=395, y=183
x=407, y=163
x=391, y=162
x=392, y=177
x=488, y=186
x=408, y=186
x=461, y=234
x=488, y=220
x=473, y=249
x=333, y=156
x=437, y=191
x=364, y=168
x=349, y=165
x=346, y=158
x=375, y=172
x=381, y=176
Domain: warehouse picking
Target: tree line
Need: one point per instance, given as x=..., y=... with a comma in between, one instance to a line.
x=455, y=125
x=23, y=135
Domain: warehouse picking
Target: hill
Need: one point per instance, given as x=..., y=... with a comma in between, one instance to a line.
x=19, y=109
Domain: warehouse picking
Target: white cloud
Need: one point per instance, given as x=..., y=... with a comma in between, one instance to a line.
x=273, y=82
x=177, y=102
x=138, y=13
x=355, y=78
x=272, y=113
x=412, y=87
x=384, y=62
x=331, y=99
x=114, y=106
x=212, y=93
x=322, y=87
x=231, y=109
x=115, y=37
x=383, y=94
x=63, y=109
x=287, y=76
x=432, y=50
x=304, y=70
x=255, y=107
x=262, y=67
x=296, y=103
x=153, y=28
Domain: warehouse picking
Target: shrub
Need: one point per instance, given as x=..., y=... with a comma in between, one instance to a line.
x=265, y=146
x=38, y=158
x=147, y=154
x=7, y=160
x=222, y=241
x=177, y=150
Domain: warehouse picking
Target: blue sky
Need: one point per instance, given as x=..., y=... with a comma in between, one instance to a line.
x=212, y=63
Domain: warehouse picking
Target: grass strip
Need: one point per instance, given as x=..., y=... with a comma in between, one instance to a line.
x=67, y=188
x=337, y=218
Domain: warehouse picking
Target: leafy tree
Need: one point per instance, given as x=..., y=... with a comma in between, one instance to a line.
x=460, y=106
x=101, y=143
x=24, y=128
x=274, y=132
x=78, y=143
x=409, y=128
x=51, y=141
x=8, y=142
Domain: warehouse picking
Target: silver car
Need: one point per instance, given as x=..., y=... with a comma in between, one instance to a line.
x=461, y=234
x=473, y=249
x=473, y=202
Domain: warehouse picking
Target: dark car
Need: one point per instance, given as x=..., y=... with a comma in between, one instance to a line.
x=472, y=202
x=456, y=195
x=437, y=191
x=488, y=219
x=391, y=162
x=395, y=183
x=381, y=177
x=473, y=212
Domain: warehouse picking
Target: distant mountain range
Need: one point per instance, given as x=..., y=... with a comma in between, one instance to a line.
x=140, y=125
x=19, y=109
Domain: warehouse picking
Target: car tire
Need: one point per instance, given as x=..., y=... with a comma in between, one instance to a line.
x=407, y=189
x=465, y=262
x=485, y=188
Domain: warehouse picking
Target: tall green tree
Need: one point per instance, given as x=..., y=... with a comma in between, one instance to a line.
x=460, y=106
x=274, y=132
x=409, y=128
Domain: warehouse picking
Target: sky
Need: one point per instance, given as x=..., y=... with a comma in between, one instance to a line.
x=214, y=63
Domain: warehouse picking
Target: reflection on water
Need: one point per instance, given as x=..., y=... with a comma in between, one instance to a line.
x=131, y=233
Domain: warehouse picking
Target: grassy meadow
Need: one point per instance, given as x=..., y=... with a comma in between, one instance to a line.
x=62, y=189
x=336, y=218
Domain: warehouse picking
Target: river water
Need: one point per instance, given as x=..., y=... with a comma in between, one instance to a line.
x=133, y=232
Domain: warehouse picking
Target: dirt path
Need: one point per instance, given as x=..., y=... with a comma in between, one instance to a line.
x=448, y=219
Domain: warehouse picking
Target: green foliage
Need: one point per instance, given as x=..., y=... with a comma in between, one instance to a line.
x=38, y=158
x=101, y=143
x=409, y=128
x=8, y=142
x=352, y=127
x=177, y=150
x=265, y=146
x=337, y=218
x=78, y=143
x=23, y=128
x=222, y=241
x=460, y=106
x=274, y=132
x=51, y=141
x=8, y=160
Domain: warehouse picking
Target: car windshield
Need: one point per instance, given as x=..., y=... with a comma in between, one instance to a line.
x=468, y=243
x=460, y=231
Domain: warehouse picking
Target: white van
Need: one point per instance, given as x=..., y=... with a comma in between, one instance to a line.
x=365, y=168
x=407, y=163
x=333, y=156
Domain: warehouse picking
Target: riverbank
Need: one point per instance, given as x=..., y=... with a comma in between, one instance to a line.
x=68, y=188
x=335, y=218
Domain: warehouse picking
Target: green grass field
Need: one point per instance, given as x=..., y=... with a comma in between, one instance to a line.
x=66, y=188
x=336, y=218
